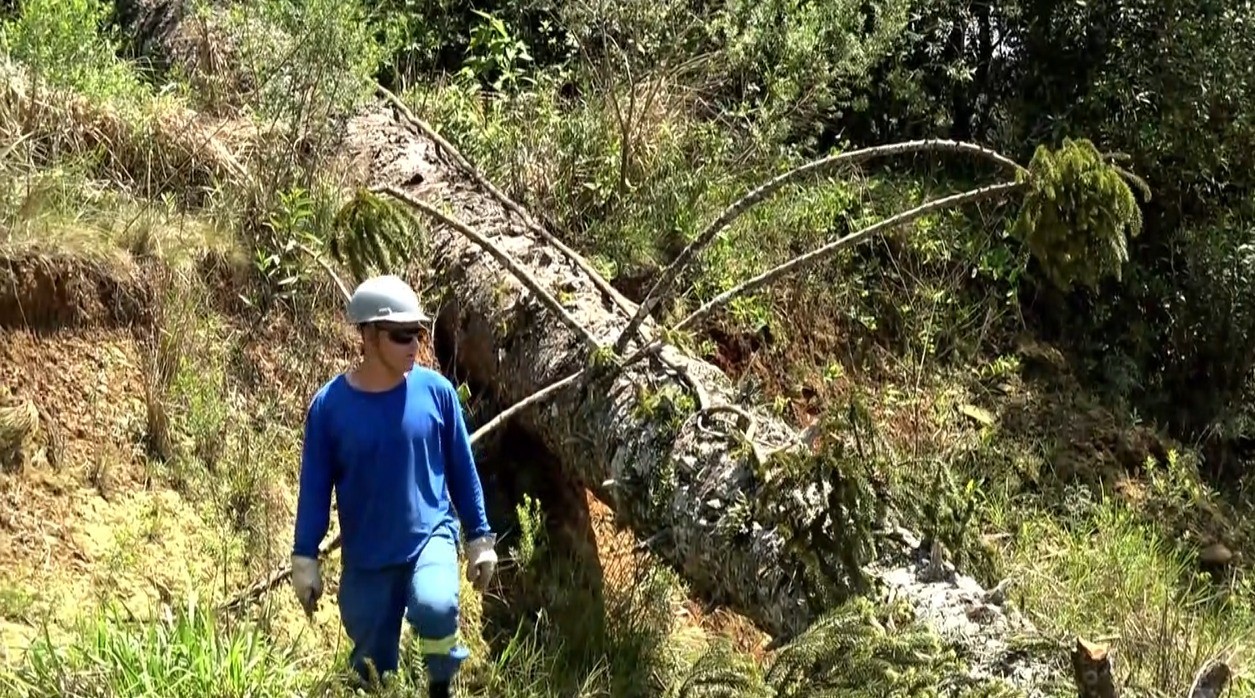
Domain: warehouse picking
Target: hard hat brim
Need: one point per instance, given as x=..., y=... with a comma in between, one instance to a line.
x=400, y=318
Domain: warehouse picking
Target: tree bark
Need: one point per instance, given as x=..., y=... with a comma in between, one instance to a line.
x=675, y=478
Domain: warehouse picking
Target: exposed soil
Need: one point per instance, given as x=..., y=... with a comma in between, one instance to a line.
x=69, y=350
x=734, y=350
x=88, y=386
x=81, y=518
x=284, y=360
x=44, y=291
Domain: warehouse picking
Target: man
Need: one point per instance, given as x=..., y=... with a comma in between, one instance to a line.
x=389, y=436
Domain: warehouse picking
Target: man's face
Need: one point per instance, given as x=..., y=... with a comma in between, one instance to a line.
x=397, y=344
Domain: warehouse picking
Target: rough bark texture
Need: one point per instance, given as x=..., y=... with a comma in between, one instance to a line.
x=152, y=27
x=674, y=484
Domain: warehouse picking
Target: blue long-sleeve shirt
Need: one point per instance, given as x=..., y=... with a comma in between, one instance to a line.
x=388, y=456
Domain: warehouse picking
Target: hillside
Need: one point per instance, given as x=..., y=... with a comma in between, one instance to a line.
x=1015, y=418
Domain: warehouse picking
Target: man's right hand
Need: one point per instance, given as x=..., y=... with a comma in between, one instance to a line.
x=307, y=582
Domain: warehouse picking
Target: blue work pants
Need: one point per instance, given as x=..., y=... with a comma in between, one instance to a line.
x=424, y=592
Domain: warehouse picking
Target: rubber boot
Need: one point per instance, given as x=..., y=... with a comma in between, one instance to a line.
x=439, y=690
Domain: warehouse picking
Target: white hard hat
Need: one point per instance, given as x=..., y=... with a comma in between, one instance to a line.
x=385, y=299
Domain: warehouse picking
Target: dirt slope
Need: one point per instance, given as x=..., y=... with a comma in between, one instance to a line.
x=87, y=512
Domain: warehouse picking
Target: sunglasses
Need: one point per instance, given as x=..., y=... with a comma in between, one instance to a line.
x=401, y=335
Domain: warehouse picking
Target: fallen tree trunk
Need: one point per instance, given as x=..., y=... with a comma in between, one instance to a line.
x=669, y=473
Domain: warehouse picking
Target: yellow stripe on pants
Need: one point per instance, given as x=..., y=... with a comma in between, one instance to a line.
x=443, y=645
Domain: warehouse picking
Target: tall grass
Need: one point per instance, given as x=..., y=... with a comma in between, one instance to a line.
x=190, y=652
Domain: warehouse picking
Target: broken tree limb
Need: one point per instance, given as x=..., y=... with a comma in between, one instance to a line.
x=626, y=306
x=326, y=266
x=747, y=423
x=670, y=474
x=667, y=277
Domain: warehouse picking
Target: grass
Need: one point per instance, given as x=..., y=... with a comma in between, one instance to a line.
x=919, y=325
x=1109, y=570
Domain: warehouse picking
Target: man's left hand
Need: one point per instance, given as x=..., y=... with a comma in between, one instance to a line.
x=481, y=561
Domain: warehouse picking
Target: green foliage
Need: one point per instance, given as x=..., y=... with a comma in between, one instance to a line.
x=668, y=406
x=836, y=542
x=311, y=62
x=188, y=654
x=855, y=650
x=531, y=518
x=495, y=55
x=1076, y=214
x=1212, y=331
x=372, y=234
x=293, y=222
x=65, y=44
x=795, y=65
x=432, y=37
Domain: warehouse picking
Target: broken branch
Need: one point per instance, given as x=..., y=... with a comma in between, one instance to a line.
x=668, y=276
x=335, y=278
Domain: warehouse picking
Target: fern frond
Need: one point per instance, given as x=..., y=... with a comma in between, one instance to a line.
x=371, y=234
x=1078, y=213
x=721, y=673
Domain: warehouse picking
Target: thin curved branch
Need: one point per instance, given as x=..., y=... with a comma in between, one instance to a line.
x=508, y=262
x=668, y=276
x=523, y=404
x=821, y=253
x=460, y=160
x=344, y=290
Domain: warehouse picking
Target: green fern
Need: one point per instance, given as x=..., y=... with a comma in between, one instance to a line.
x=371, y=234
x=723, y=673
x=852, y=652
x=1078, y=213
x=834, y=538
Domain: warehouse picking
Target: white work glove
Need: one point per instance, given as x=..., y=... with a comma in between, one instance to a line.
x=306, y=581
x=481, y=561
